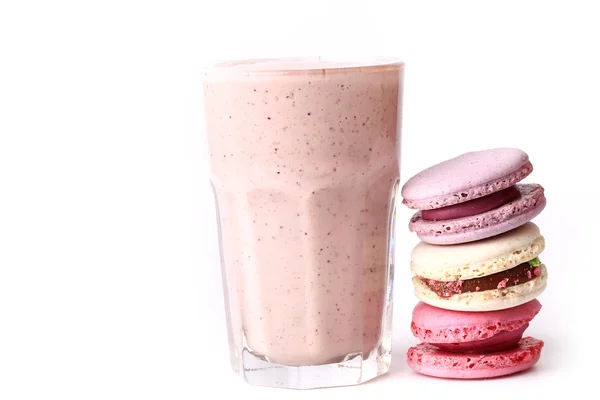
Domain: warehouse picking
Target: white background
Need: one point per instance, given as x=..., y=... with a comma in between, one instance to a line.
x=109, y=281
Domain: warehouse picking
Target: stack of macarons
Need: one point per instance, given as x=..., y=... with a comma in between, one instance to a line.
x=476, y=269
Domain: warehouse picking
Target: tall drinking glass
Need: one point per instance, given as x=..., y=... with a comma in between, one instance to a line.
x=304, y=161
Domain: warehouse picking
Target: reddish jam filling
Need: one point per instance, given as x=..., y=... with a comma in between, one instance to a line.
x=500, y=280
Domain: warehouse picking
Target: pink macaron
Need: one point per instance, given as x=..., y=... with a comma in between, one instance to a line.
x=429, y=360
x=473, y=345
x=473, y=196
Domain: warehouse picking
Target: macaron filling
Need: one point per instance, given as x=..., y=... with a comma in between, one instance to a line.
x=473, y=207
x=522, y=273
x=503, y=340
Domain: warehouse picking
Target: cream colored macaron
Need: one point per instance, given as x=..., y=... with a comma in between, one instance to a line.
x=491, y=274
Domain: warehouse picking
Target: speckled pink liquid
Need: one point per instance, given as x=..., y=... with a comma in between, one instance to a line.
x=305, y=168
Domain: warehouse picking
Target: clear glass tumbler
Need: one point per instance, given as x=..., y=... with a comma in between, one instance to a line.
x=304, y=159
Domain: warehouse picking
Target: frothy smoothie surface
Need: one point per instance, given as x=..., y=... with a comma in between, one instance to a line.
x=305, y=161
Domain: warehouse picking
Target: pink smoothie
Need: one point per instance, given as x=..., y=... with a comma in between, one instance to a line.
x=305, y=161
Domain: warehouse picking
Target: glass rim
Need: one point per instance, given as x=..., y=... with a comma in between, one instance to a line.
x=300, y=66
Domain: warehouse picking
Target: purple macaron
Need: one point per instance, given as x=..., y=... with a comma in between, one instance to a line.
x=473, y=196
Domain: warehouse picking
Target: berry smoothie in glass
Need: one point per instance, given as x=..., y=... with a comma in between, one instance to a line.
x=304, y=157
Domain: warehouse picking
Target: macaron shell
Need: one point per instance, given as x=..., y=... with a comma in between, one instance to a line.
x=479, y=258
x=488, y=300
x=485, y=225
x=466, y=177
x=438, y=325
x=428, y=360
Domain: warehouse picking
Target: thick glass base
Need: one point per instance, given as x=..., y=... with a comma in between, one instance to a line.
x=353, y=369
